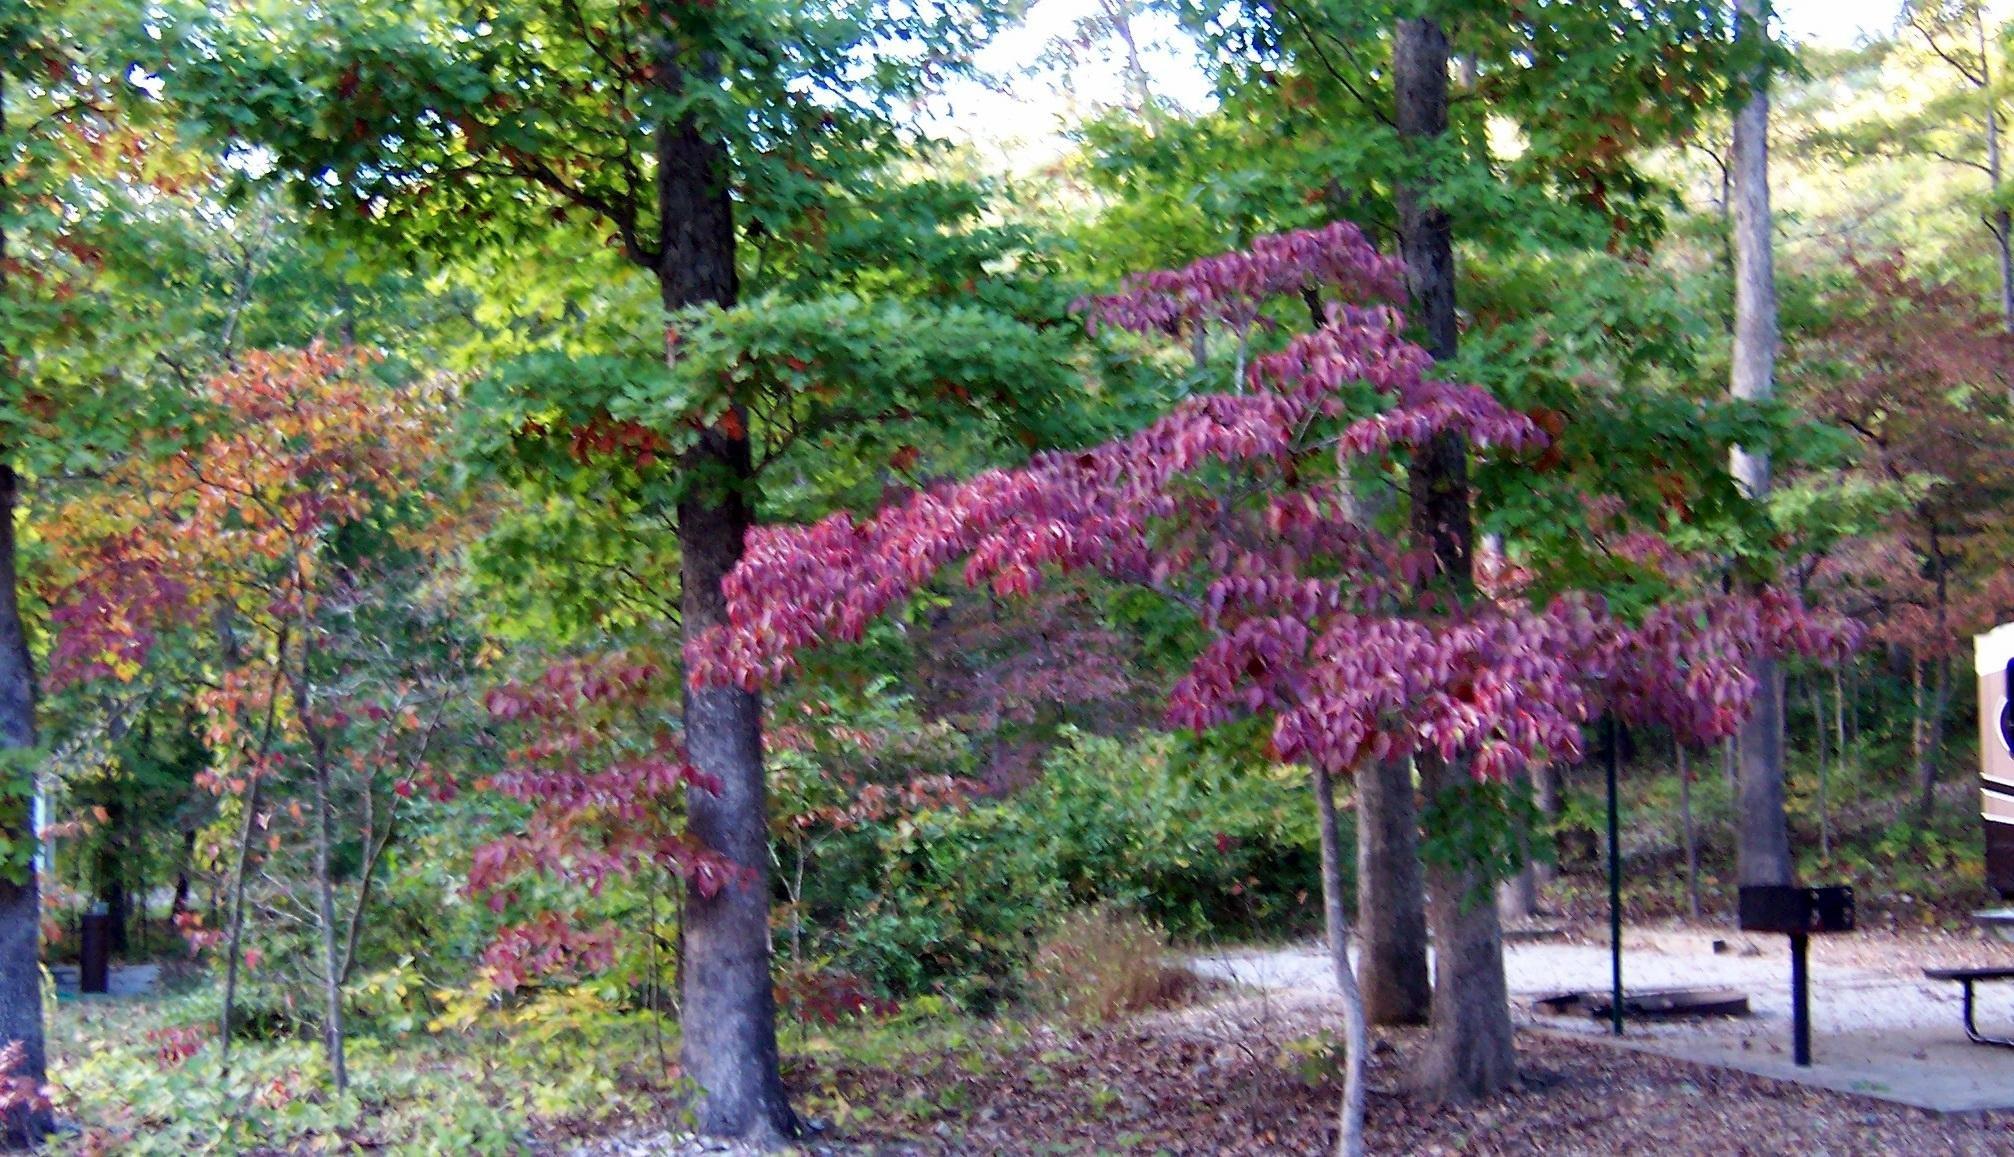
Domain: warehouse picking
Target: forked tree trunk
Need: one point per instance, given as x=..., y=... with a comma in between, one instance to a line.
x=728, y=1007
x=1356, y=1030
x=1469, y=1051
x=1763, y=848
x=1391, y=897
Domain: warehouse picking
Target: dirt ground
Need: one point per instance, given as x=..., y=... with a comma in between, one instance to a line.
x=1220, y=1079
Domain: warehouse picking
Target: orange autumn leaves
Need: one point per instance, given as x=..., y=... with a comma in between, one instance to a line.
x=241, y=524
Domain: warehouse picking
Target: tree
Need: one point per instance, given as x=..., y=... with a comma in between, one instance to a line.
x=65, y=397
x=1234, y=506
x=693, y=137
x=289, y=519
x=1469, y=1051
x=1919, y=374
x=1764, y=840
x=1315, y=127
x=1959, y=35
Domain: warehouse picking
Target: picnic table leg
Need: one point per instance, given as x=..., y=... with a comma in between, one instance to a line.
x=1800, y=1002
x=1971, y=1029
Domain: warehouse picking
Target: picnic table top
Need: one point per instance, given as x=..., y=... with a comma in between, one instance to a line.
x=1969, y=973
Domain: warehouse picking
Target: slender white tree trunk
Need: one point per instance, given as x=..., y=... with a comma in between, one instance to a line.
x=1350, y=1115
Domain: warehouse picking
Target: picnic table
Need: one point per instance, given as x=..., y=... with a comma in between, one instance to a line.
x=1969, y=977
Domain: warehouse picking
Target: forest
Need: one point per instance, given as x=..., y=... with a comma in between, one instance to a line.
x=690, y=576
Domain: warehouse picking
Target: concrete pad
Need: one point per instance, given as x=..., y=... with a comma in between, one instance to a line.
x=1886, y=1034
x=121, y=980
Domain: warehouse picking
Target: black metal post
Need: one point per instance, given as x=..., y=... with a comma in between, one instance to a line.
x=95, y=951
x=1614, y=880
x=1800, y=1002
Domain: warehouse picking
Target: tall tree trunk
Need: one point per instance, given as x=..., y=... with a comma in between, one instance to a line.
x=116, y=866
x=234, y=936
x=2002, y=221
x=1691, y=833
x=1469, y=1052
x=1356, y=1030
x=1940, y=693
x=325, y=910
x=1545, y=790
x=20, y=897
x=1853, y=714
x=184, y=866
x=1918, y=729
x=1138, y=79
x=1517, y=897
x=1819, y=743
x=1933, y=737
x=306, y=710
x=1763, y=853
x=1392, y=972
x=729, y=1007
x=1391, y=897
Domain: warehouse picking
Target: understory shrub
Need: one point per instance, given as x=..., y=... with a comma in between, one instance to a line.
x=953, y=899
x=1104, y=962
x=1197, y=842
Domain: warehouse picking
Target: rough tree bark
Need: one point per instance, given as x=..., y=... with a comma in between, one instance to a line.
x=1356, y=1029
x=20, y=897
x=728, y=1006
x=1763, y=850
x=1392, y=972
x=1391, y=897
x=1469, y=1052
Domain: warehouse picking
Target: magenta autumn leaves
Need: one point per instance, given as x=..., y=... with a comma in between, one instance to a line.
x=1242, y=505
